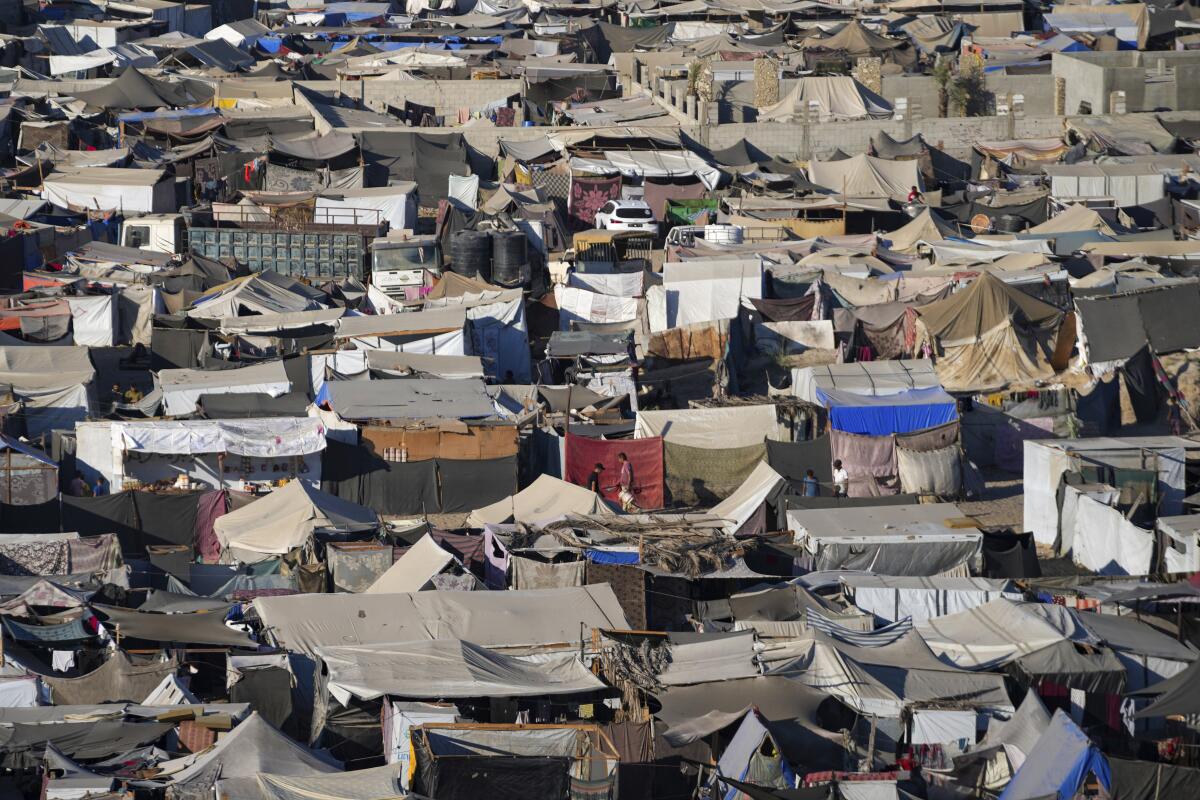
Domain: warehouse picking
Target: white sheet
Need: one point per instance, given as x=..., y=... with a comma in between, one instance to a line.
x=93, y=320
x=1109, y=544
x=731, y=426
x=935, y=726
x=580, y=305
x=1044, y=466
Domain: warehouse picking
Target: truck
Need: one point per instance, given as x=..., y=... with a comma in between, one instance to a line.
x=299, y=248
x=161, y=233
x=402, y=264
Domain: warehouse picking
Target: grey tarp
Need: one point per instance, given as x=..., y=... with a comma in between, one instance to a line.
x=531, y=574
x=320, y=148
x=1062, y=664
x=413, y=398
x=251, y=748
x=1129, y=634
x=1023, y=728
x=164, y=602
x=1179, y=694
x=914, y=558
x=374, y=783
x=22, y=745
x=694, y=712
x=793, y=459
x=447, y=668
x=1147, y=780
x=304, y=623
x=135, y=90
x=195, y=628
x=1117, y=327
x=117, y=680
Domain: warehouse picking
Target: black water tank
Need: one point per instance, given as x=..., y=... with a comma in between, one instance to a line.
x=1009, y=223
x=471, y=254
x=510, y=256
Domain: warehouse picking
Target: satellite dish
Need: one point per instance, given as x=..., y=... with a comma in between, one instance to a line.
x=981, y=223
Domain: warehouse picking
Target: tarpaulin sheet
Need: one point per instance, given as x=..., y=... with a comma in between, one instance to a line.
x=798, y=309
x=203, y=627
x=167, y=518
x=72, y=631
x=645, y=456
x=93, y=320
x=447, y=668
x=468, y=485
x=357, y=474
x=936, y=472
x=732, y=426
x=39, y=518
x=904, y=412
x=704, y=476
x=793, y=459
x=1010, y=556
x=268, y=690
x=587, y=197
x=929, y=438
x=113, y=513
x=90, y=554
x=1150, y=780
x=414, y=570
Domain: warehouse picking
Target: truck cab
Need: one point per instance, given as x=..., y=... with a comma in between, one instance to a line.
x=161, y=233
x=401, y=265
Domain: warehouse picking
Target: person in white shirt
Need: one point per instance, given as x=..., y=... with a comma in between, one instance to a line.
x=841, y=480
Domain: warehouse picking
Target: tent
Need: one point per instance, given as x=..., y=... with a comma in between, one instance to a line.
x=1062, y=761
x=135, y=90
x=50, y=381
x=183, y=388
x=286, y=519
x=838, y=98
x=305, y=623
x=992, y=335
x=546, y=499
x=900, y=412
x=864, y=176
x=997, y=633
x=855, y=40
x=149, y=191
x=1177, y=695
x=446, y=668
x=251, y=748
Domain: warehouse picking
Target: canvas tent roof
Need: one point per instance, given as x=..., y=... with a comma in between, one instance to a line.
x=854, y=38
x=864, y=176
x=286, y=519
x=837, y=98
x=992, y=335
x=251, y=748
x=413, y=571
x=1177, y=695
x=373, y=783
x=182, y=388
x=547, y=498
x=44, y=366
x=991, y=634
x=307, y=622
x=411, y=398
x=194, y=628
x=446, y=668
x=870, y=378
x=134, y=90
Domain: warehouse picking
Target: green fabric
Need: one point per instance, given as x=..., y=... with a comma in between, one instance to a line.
x=703, y=476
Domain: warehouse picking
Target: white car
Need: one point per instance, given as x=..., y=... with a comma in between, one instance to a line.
x=626, y=215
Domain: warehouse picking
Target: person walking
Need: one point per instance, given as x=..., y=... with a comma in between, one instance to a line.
x=625, y=484
x=593, y=483
x=841, y=480
x=811, y=487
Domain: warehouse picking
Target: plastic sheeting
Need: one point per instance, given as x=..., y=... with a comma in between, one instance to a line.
x=450, y=669
x=260, y=438
x=305, y=623
x=866, y=177
x=94, y=320
x=902, y=412
x=701, y=291
x=921, y=599
x=182, y=389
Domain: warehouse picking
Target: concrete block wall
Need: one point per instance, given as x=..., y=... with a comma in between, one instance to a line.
x=445, y=96
x=1037, y=89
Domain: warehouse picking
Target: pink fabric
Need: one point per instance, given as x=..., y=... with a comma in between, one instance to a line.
x=210, y=507
x=870, y=462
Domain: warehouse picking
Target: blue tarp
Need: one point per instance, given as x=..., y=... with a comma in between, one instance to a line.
x=905, y=412
x=1059, y=764
x=611, y=556
x=271, y=44
x=166, y=113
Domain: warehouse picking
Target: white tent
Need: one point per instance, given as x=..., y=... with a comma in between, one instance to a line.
x=94, y=320
x=286, y=519
x=149, y=191
x=547, y=498
x=836, y=98
x=395, y=205
x=700, y=291
x=183, y=388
